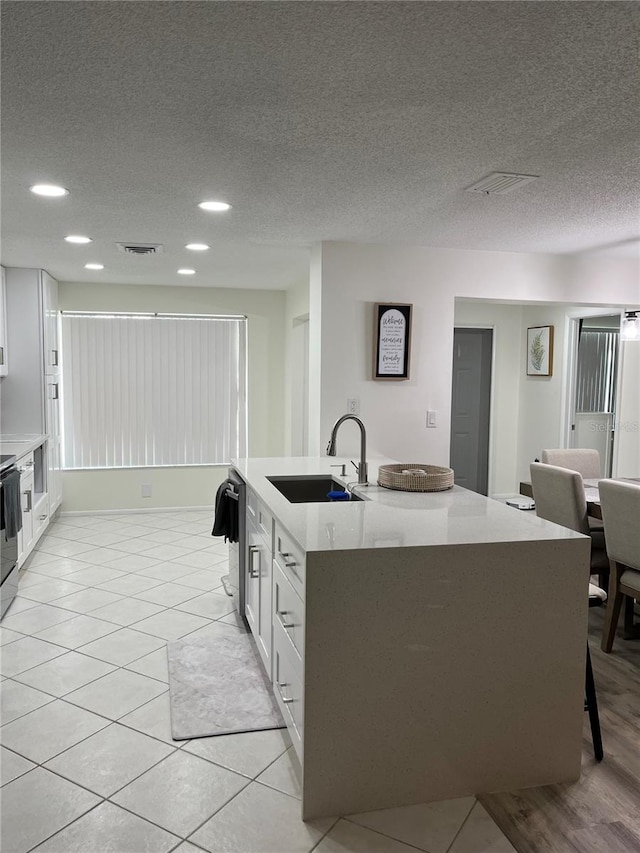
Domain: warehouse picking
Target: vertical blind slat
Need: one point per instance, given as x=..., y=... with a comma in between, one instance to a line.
x=141, y=391
x=597, y=368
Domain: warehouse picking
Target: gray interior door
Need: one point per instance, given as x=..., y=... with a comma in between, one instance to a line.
x=470, y=406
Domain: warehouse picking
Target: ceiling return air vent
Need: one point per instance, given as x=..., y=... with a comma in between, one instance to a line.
x=500, y=183
x=140, y=248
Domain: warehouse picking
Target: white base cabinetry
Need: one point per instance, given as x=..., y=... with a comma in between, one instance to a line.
x=417, y=674
x=34, y=500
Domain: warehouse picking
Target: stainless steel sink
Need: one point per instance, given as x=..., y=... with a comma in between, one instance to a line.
x=308, y=488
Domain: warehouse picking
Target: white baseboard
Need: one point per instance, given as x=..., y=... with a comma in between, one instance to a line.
x=150, y=510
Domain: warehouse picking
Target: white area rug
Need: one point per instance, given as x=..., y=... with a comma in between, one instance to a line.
x=217, y=686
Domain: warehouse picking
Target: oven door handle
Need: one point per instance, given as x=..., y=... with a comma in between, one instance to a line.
x=233, y=495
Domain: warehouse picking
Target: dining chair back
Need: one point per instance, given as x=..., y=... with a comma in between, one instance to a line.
x=584, y=460
x=620, y=504
x=559, y=496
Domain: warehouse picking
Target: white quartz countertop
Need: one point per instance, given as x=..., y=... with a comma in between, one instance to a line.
x=389, y=519
x=18, y=445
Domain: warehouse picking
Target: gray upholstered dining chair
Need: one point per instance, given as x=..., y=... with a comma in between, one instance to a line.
x=620, y=504
x=559, y=496
x=584, y=460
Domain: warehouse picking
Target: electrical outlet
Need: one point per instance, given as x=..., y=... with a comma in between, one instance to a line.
x=146, y=490
x=353, y=406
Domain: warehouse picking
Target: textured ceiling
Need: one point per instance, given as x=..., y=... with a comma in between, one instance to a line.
x=316, y=121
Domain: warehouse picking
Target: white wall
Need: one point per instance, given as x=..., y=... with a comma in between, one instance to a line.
x=542, y=399
x=626, y=454
x=195, y=486
x=296, y=306
x=315, y=351
x=348, y=278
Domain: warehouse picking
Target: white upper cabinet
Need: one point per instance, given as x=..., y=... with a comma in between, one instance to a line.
x=54, y=444
x=3, y=326
x=32, y=326
x=50, y=323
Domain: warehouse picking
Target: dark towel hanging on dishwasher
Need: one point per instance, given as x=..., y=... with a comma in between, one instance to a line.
x=11, y=505
x=225, y=522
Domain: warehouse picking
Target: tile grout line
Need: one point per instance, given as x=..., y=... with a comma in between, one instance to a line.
x=66, y=826
x=103, y=800
x=463, y=824
x=391, y=837
x=325, y=834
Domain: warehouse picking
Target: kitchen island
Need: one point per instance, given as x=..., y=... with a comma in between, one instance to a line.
x=422, y=646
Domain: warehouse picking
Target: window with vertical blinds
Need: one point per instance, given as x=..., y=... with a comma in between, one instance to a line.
x=597, y=370
x=152, y=389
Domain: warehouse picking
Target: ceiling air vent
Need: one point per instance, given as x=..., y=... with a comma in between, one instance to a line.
x=139, y=248
x=500, y=183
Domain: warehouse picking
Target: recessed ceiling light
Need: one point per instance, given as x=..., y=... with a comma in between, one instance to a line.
x=214, y=205
x=197, y=247
x=50, y=190
x=77, y=238
x=94, y=266
x=187, y=272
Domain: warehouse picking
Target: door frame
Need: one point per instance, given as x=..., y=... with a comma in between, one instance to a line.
x=571, y=376
x=491, y=327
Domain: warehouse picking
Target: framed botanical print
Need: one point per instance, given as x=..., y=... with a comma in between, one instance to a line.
x=540, y=351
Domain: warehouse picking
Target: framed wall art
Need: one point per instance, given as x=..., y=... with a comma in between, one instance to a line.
x=392, y=340
x=540, y=351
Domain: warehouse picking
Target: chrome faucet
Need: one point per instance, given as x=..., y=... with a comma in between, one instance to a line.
x=331, y=447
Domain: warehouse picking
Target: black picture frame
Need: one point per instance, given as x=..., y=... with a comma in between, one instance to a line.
x=392, y=340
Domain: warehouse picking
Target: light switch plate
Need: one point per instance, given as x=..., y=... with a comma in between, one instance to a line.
x=146, y=490
x=431, y=419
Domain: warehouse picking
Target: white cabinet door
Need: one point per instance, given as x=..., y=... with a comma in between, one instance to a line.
x=54, y=445
x=3, y=325
x=263, y=637
x=252, y=579
x=258, y=592
x=25, y=538
x=50, y=323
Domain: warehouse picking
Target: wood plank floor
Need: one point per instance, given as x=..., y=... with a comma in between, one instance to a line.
x=601, y=812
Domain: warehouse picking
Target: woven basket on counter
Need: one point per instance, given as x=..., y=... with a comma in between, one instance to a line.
x=422, y=478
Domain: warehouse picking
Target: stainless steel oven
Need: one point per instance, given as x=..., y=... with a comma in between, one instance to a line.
x=11, y=524
x=237, y=491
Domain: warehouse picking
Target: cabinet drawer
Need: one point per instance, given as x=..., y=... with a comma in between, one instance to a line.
x=290, y=559
x=260, y=516
x=26, y=464
x=287, y=686
x=40, y=517
x=288, y=609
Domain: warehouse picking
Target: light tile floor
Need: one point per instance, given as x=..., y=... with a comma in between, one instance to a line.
x=88, y=763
